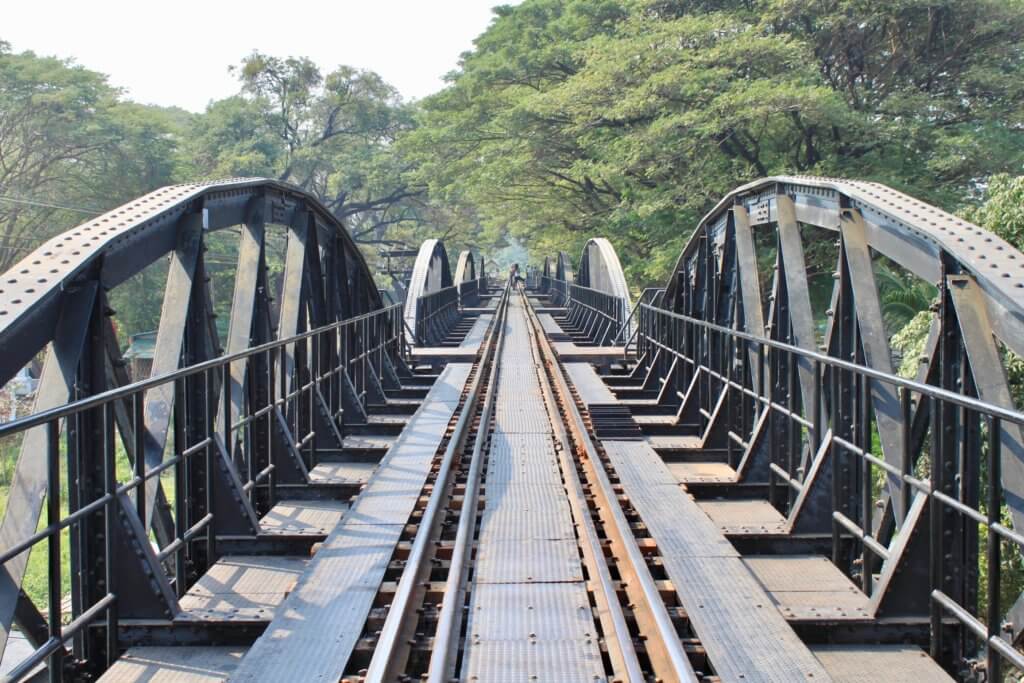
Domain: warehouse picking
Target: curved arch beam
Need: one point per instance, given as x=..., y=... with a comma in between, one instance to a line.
x=465, y=269
x=563, y=268
x=980, y=281
x=600, y=269
x=120, y=243
x=906, y=230
x=430, y=273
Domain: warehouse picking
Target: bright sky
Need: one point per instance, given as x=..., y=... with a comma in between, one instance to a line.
x=176, y=52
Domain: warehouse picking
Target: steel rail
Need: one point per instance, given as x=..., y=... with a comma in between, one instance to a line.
x=446, y=635
x=666, y=634
x=617, y=637
x=382, y=664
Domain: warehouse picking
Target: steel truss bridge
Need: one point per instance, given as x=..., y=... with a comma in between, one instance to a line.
x=724, y=480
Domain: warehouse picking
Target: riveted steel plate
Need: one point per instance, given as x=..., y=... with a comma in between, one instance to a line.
x=534, y=511
x=638, y=455
x=744, y=633
x=315, y=629
x=872, y=663
x=342, y=472
x=516, y=611
x=527, y=561
x=476, y=334
x=314, y=517
x=741, y=511
x=702, y=472
x=523, y=469
x=797, y=573
x=540, y=661
x=358, y=442
x=448, y=386
x=849, y=605
x=174, y=665
x=242, y=588
x=590, y=387
x=526, y=417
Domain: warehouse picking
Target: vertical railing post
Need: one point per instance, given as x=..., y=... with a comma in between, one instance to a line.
x=110, y=521
x=181, y=520
x=994, y=547
x=54, y=664
x=139, y=447
x=209, y=455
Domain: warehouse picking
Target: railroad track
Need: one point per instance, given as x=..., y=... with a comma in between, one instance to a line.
x=622, y=620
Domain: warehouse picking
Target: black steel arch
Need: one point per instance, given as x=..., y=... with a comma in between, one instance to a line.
x=56, y=298
x=465, y=268
x=111, y=248
x=563, y=268
x=430, y=274
x=716, y=279
x=823, y=414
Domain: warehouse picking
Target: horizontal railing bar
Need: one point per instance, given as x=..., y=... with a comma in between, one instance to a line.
x=105, y=397
x=868, y=541
x=925, y=389
x=52, y=644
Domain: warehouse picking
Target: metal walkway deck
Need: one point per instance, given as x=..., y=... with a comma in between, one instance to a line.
x=529, y=613
x=324, y=616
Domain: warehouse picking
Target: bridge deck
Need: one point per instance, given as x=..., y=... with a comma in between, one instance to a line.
x=325, y=614
x=529, y=612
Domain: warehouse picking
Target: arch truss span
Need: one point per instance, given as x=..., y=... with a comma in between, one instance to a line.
x=468, y=279
x=557, y=276
x=597, y=298
x=433, y=299
x=807, y=295
x=285, y=267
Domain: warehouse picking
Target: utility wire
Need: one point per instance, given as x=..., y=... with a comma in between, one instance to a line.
x=47, y=205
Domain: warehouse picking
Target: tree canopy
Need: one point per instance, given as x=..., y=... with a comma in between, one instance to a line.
x=630, y=118
x=568, y=119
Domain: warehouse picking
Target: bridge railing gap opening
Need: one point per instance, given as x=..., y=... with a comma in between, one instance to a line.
x=782, y=418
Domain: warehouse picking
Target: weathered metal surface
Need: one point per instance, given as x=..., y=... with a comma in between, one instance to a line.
x=342, y=472
x=873, y=663
x=529, y=613
x=242, y=588
x=809, y=587
x=174, y=665
x=746, y=637
x=314, y=632
x=589, y=384
x=311, y=517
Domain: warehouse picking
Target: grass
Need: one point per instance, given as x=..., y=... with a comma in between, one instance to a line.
x=36, y=582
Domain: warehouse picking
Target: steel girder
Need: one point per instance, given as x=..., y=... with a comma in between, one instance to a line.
x=805, y=447
x=430, y=274
x=55, y=299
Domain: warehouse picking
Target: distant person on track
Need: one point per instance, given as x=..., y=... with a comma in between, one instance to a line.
x=515, y=275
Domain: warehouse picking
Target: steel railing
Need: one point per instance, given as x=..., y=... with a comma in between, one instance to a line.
x=436, y=312
x=300, y=371
x=762, y=376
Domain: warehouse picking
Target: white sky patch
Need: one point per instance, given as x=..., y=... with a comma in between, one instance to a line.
x=178, y=52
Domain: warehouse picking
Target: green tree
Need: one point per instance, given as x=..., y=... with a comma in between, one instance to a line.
x=629, y=119
x=330, y=134
x=70, y=148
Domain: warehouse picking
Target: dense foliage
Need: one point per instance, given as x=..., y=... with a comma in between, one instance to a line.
x=627, y=118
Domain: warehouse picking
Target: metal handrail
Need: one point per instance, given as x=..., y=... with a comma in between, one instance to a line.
x=644, y=298
x=824, y=441
x=372, y=334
